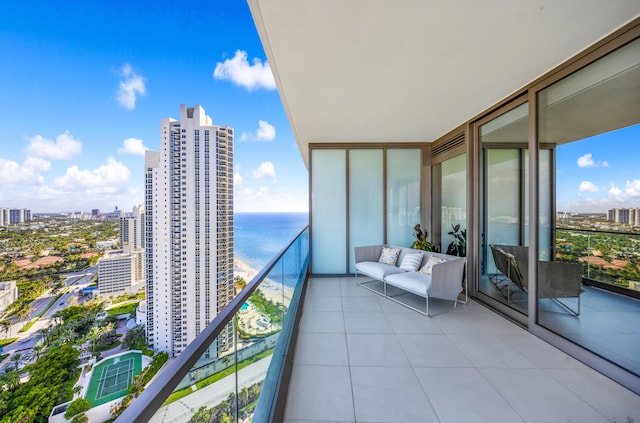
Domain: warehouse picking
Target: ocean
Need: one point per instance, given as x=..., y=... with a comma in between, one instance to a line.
x=258, y=237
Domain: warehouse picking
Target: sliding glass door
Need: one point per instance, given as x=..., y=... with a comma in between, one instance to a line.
x=503, y=264
x=587, y=279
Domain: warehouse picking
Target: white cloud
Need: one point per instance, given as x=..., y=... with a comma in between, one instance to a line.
x=111, y=177
x=633, y=188
x=133, y=146
x=587, y=186
x=265, y=170
x=237, y=181
x=64, y=147
x=240, y=72
x=587, y=161
x=615, y=191
x=265, y=132
x=29, y=173
x=131, y=85
x=264, y=199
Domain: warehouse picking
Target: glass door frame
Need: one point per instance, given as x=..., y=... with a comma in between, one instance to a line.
x=477, y=202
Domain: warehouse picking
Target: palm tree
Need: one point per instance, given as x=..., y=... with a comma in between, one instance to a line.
x=38, y=349
x=43, y=334
x=17, y=359
x=68, y=335
x=10, y=378
x=77, y=389
x=5, y=326
x=25, y=312
x=94, y=333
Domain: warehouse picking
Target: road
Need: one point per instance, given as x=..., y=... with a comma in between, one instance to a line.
x=211, y=395
x=75, y=281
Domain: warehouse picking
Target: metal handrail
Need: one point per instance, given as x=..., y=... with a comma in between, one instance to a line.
x=154, y=395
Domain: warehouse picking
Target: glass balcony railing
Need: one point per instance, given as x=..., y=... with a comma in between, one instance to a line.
x=231, y=371
x=610, y=259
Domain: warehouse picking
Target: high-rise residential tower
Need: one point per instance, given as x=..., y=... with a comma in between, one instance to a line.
x=132, y=228
x=188, y=230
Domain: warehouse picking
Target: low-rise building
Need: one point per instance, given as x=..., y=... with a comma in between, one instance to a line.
x=121, y=272
x=8, y=294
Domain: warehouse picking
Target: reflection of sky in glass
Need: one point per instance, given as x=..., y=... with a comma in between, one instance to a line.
x=599, y=172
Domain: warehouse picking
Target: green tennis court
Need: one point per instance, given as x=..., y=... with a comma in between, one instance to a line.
x=112, y=377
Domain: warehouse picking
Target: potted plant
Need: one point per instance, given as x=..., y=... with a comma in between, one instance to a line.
x=421, y=242
x=458, y=247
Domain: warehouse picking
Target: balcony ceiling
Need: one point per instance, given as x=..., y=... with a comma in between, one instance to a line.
x=412, y=70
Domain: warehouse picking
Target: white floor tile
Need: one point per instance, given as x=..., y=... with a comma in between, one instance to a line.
x=320, y=393
x=322, y=349
x=367, y=304
x=613, y=401
x=432, y=350
x=366, y=323
x=463, y=395
x=537, y=397
x=320, y=303
x=540, y=353
x=475, y=322
x=487, y=350
x=411, y=323
x=375, y=350
x=363, y=358
x=322, y=321
x=389, y=395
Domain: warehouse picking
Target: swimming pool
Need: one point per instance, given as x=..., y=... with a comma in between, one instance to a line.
x=244, y=306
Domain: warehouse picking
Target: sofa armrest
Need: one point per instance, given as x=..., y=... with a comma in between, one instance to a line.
x=446, y=279
x=367, y=253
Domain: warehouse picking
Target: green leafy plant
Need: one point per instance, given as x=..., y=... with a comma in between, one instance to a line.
x=421, y=242
x=78, y=405
x=458, y=247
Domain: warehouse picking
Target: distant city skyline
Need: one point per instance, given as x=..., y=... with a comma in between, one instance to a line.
x=83, y=90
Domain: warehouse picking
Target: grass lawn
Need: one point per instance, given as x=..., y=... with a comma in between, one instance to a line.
x=5, y=342
x=123, y=309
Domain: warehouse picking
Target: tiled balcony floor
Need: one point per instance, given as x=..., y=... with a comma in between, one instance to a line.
x=362, y=358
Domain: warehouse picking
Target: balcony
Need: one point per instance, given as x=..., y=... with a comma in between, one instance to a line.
x=374, y=360
x=341, y=353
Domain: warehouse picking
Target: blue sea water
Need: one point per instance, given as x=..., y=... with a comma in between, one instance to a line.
x=258, y=237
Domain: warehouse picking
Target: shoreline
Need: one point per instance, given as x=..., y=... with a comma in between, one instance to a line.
x=275, y=292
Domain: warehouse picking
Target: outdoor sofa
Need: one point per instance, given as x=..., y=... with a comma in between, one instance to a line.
x=423, y=273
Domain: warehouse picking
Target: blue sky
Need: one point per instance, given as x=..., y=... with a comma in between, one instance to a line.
x=600, y=172
x=83, y=86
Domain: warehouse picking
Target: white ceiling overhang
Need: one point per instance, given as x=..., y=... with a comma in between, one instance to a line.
x=353, y=71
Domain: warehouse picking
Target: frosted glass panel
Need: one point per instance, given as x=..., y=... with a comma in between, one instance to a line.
x=503, y=199
x=454, y=197
x=328, y=212
x=403, y=195
x=366, y=213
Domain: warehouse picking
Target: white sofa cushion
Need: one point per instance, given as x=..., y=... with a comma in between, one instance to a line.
x=377, y=270
x=432, y=261
x=415, y=282
x=411, y=262
x=389, y=256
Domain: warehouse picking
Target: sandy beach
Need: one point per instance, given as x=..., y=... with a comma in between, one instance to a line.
x=272, y=290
